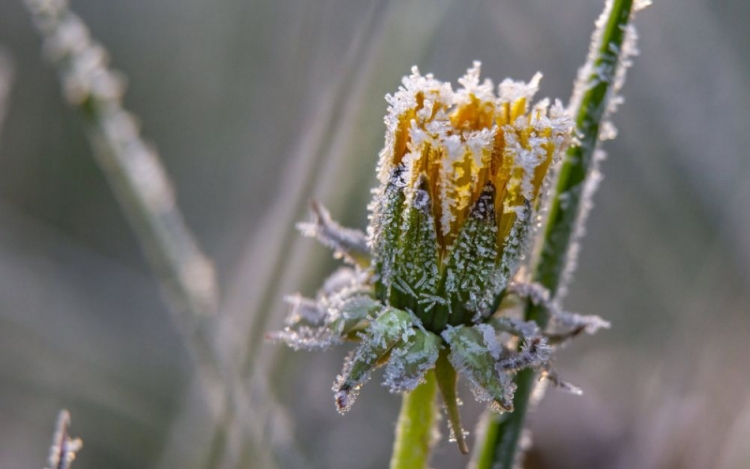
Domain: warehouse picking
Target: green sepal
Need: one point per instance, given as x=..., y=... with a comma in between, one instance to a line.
x=410, y=360
x=390, y=327
x=385, y=228
x=474, y=352
x=351, y=314
x=416, y=270
x=470, y=267
x=447, y=380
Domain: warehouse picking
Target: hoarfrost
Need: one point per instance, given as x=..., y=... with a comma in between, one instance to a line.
x=572, y=321
x=389, y=328
x=63, y=450
x=346, y=243
x=409, y=361
x=551, y=375
x=534, y=353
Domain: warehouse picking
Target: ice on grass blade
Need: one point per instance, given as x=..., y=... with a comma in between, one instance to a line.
x=63, y=450
x=132, y=165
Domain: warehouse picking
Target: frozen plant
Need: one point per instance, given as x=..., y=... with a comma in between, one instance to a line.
x=427, y=289
x=63, y=450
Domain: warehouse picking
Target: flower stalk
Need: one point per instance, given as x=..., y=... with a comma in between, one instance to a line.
x=415, y=428
x=593, y=98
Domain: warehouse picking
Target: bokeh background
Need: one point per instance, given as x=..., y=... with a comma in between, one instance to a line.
x=256, y=106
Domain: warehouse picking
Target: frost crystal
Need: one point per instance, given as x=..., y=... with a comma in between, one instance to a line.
x=347, y=243
x=63, y=450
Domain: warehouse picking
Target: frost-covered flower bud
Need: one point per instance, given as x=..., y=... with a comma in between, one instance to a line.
x=460, y=175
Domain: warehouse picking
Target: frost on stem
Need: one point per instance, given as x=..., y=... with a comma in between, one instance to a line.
x=612, y=65
x=132, y=166
x=63, y=450
x=349, y=244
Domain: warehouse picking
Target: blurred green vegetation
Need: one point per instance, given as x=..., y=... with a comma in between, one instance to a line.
x=257, y=106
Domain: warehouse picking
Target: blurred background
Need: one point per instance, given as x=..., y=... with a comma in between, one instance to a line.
x=257, y=106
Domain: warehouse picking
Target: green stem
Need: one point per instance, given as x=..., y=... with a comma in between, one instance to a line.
x=499, y=448
x=414, y=431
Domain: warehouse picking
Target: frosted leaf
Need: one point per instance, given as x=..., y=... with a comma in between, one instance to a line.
x=344, y=394
x=552, y=376
x=416, y=261
x=346, y=243
x=591, y=323
x=516, y=327
x=344, y=279
x=303, y=311
x=471, y=357
x=348, y=314
x=390, y=327
x=489, y=335
x=564, y=319
x=534, y=353
x=515, y=246
x=410, y=360
x=305, y=338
